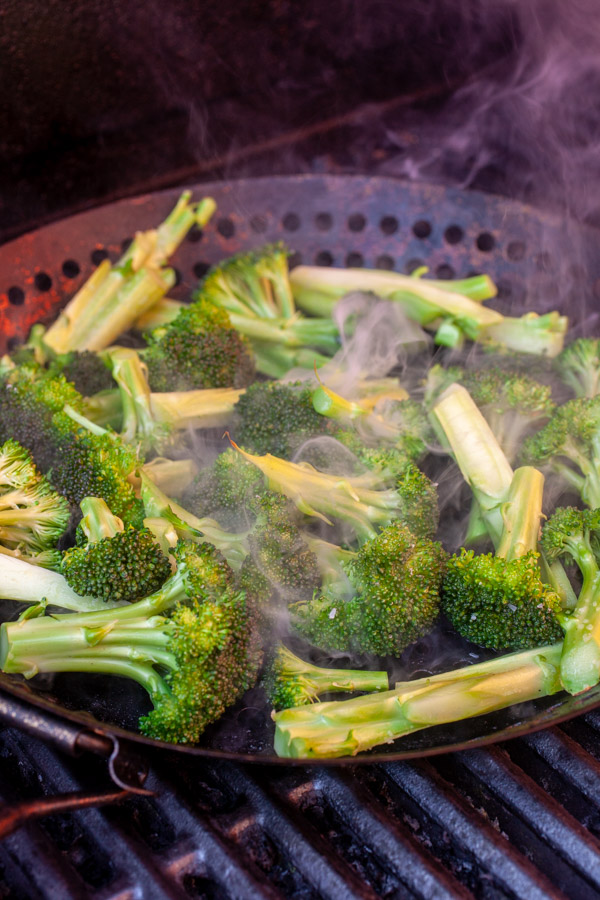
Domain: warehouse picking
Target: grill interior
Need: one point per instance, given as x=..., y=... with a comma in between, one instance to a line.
x=512, y=822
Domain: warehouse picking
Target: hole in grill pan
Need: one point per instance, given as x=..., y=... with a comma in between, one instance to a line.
x=384, y=261
x=422, y=229
x=225, y=227
x=323, y=221
x=355, y=259
x=43, y=282
x=16, y=295
x=356, y=222
x=444, y=271
x=200, y=269
x=389, y=225
x=411, y=264
x=453, y=234
x=70, y=268
x=324, y=258
x=291, y=221
x=98, y=255
x=485, y=241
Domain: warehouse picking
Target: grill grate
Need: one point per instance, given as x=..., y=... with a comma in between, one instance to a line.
x=522, y=821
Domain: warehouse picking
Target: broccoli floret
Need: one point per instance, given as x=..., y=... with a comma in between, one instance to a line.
x=86, y=370
x=226, y=489
x=113, y=297
x=254, y=289
x=345, y=727
x=115, y=563
x=279, y=550
x=570, y=444
x=573, y=534
x=579, y=366
x=363, y=501
x=290, y=681
x=513, y=403
x=153, y=420
x=33, y=516
x=396, y=578
x=192, y=645
x=500, y=601
x=199, y=349
x=277, y=418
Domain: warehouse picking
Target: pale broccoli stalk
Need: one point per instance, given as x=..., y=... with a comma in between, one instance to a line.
x=114, y=296
x=579, y=366
x=347, y=727
x=151, y=418
x=27, y=583
x=479, y=456
x=442, y=307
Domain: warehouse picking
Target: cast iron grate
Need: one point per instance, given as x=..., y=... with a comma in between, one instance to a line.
x=520, y=821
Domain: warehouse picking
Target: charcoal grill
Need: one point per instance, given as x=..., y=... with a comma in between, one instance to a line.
x=399, y=829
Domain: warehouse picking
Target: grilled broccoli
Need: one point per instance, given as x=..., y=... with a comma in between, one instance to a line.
x=274, y=417
x=363, y=501
x=192, y=645
x=226, y=490
x=254, y=289
x=33, y=516
x=198, y=349
x=572, y=534
x=345, y=727
x=446, y=307
x=153, y=420
x=290, y=681
x=570, y=445
x=116, y=563
x=86, y=370
x=500, y=601
x=113, y=297
x=513, y=403
x=395, y=579
x=579, y=366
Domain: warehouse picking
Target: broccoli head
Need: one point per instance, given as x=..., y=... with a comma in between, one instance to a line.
x=199, y=349
x=396, y=578
x=579, y=366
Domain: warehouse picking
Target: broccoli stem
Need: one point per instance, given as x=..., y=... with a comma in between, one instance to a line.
x=31, y=584
x=344, y=728
x=294, y=332
x=327, y=403
x=580, y=662
x=522, y=514
x=98, y=522
x=162, y=313
x=317, y=290
x=531, y=334
x=203, y=408
x=276, y=361
x=105, y=409
x=172, y=476
x=477, y=452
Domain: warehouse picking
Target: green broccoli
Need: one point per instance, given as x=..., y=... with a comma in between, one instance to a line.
x=254, y=289
x=345, y=727
x=500, y=601
x=113, y=297
x=450, y=309
x=573, y=534
x=579, y=366
x=290, y=681
x=570, y=445
x=363, y=501
x=86, y=370
x=225, y=490
x=152, y=420
x=115, y=563
x=192, y=645
x=33, y=516
x=395, y=578
x=512, y=403
x=198, y=349
x=274, y=417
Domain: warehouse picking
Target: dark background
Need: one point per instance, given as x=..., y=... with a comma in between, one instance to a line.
x=105, y=99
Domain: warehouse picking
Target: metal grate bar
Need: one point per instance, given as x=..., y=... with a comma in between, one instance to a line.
x=418, y=870
x=543, y=815
x=309, y=852
x=471, y=831
x=566, y=757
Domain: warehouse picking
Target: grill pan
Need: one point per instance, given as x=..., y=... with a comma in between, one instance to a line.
x=539, y=261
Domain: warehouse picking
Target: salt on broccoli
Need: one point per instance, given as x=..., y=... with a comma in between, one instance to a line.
x=198, y=349
x=290, y=681
x=395, y=578
x=579, y=366
x=570, y=446
x=192, y=645
x=572, y=534
x=347, y=727
x=499, y=600
x=115, y=563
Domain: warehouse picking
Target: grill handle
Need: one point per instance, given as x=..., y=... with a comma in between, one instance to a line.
x=127, y=770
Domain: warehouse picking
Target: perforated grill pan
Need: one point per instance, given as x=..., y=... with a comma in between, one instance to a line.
x=540, y=262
